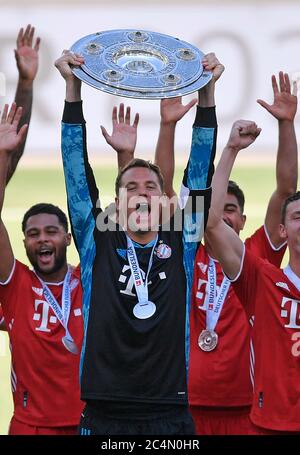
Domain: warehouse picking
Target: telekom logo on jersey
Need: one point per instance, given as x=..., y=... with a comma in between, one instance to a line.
x=45, y=316
x=290, y=308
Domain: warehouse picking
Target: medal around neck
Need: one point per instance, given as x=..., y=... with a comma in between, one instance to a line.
x=70, y=345
x=140, y=64
x=144, y=310
x=208, y=340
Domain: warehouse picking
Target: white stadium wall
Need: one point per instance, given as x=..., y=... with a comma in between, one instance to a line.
x=252, y=39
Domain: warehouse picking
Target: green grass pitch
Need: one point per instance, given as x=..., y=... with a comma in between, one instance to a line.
x=30, y=186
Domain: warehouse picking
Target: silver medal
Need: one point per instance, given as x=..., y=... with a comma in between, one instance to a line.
x=144, y=310
x=208, y=340
x=70, y=345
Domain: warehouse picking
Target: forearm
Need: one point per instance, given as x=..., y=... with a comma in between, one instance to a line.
x=4, y=164
x=124, y=158
x=73, y=90
x=220, y=183
x=23, y=98
x=225, y=244
x=286, y=179
x=164, y=155
x=200, y=167
x=196, y=180
x=81, y=188
x=7, y=258
x=287, y=159
x=206, y=96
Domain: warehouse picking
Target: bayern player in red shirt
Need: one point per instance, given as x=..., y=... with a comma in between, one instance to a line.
x=221, y=376
x=42, y=310
x=220, y=386
x=273, y=296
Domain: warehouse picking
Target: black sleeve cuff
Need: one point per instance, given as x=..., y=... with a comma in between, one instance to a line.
x=207, y=200
x=73, y=112
x=206, y=117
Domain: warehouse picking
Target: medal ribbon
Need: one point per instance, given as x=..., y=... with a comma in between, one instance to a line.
x=62, y=313
x=141, y=286
x=215, y=299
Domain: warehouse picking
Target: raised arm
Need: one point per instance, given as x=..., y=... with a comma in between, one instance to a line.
x=171, y=111
x=284, y=109
x=81, y=188
x=26, y=55
x=124, y=135
x=197, y=177
x=199, y=170
x=223, y=240
x=10, y=139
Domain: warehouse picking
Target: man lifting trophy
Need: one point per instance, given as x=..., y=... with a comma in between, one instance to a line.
x=137, y=274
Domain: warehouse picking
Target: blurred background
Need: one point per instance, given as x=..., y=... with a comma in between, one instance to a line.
x=253, y=39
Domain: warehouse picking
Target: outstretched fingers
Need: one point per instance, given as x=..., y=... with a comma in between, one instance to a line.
x=127, y=116
x=105, y=134
x=295, y=88
x=17, y=117
x=275, y=85
x=22, y=133
x=190, y=104
x=136, y=120
x=20, y=38
x=264, y=104
x=121, y=113
x=4, y=114
x=11, y=116
x=37, y=44
x=287, y=83
x=11, y=113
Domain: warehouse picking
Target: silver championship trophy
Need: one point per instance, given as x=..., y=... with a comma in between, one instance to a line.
x=140, y=64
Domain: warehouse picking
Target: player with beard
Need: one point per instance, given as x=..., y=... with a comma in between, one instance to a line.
x=42, y=310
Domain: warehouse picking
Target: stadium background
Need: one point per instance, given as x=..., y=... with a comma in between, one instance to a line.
x=253, y=39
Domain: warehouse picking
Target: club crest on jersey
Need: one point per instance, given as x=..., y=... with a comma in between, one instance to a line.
x=122, y=253
x=74, y=283
x=163, y=251
x=203, y=267
x=280, y=284
x=38, y=291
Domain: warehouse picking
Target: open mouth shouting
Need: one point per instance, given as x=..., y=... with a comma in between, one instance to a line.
x=45, y=255
x=143, y=208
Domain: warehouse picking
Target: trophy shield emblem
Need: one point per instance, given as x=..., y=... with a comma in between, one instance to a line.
x=140, y=64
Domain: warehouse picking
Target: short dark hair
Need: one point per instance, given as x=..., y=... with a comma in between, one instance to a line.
x=45, y=208
x=292, y=198
x=234, y=189
x=138, y=162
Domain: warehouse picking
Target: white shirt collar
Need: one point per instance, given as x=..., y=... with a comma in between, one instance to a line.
x=292, y=277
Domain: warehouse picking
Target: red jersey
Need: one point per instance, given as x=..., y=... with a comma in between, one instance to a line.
x=44, y=374
x=268, y=292
x=222, y=377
